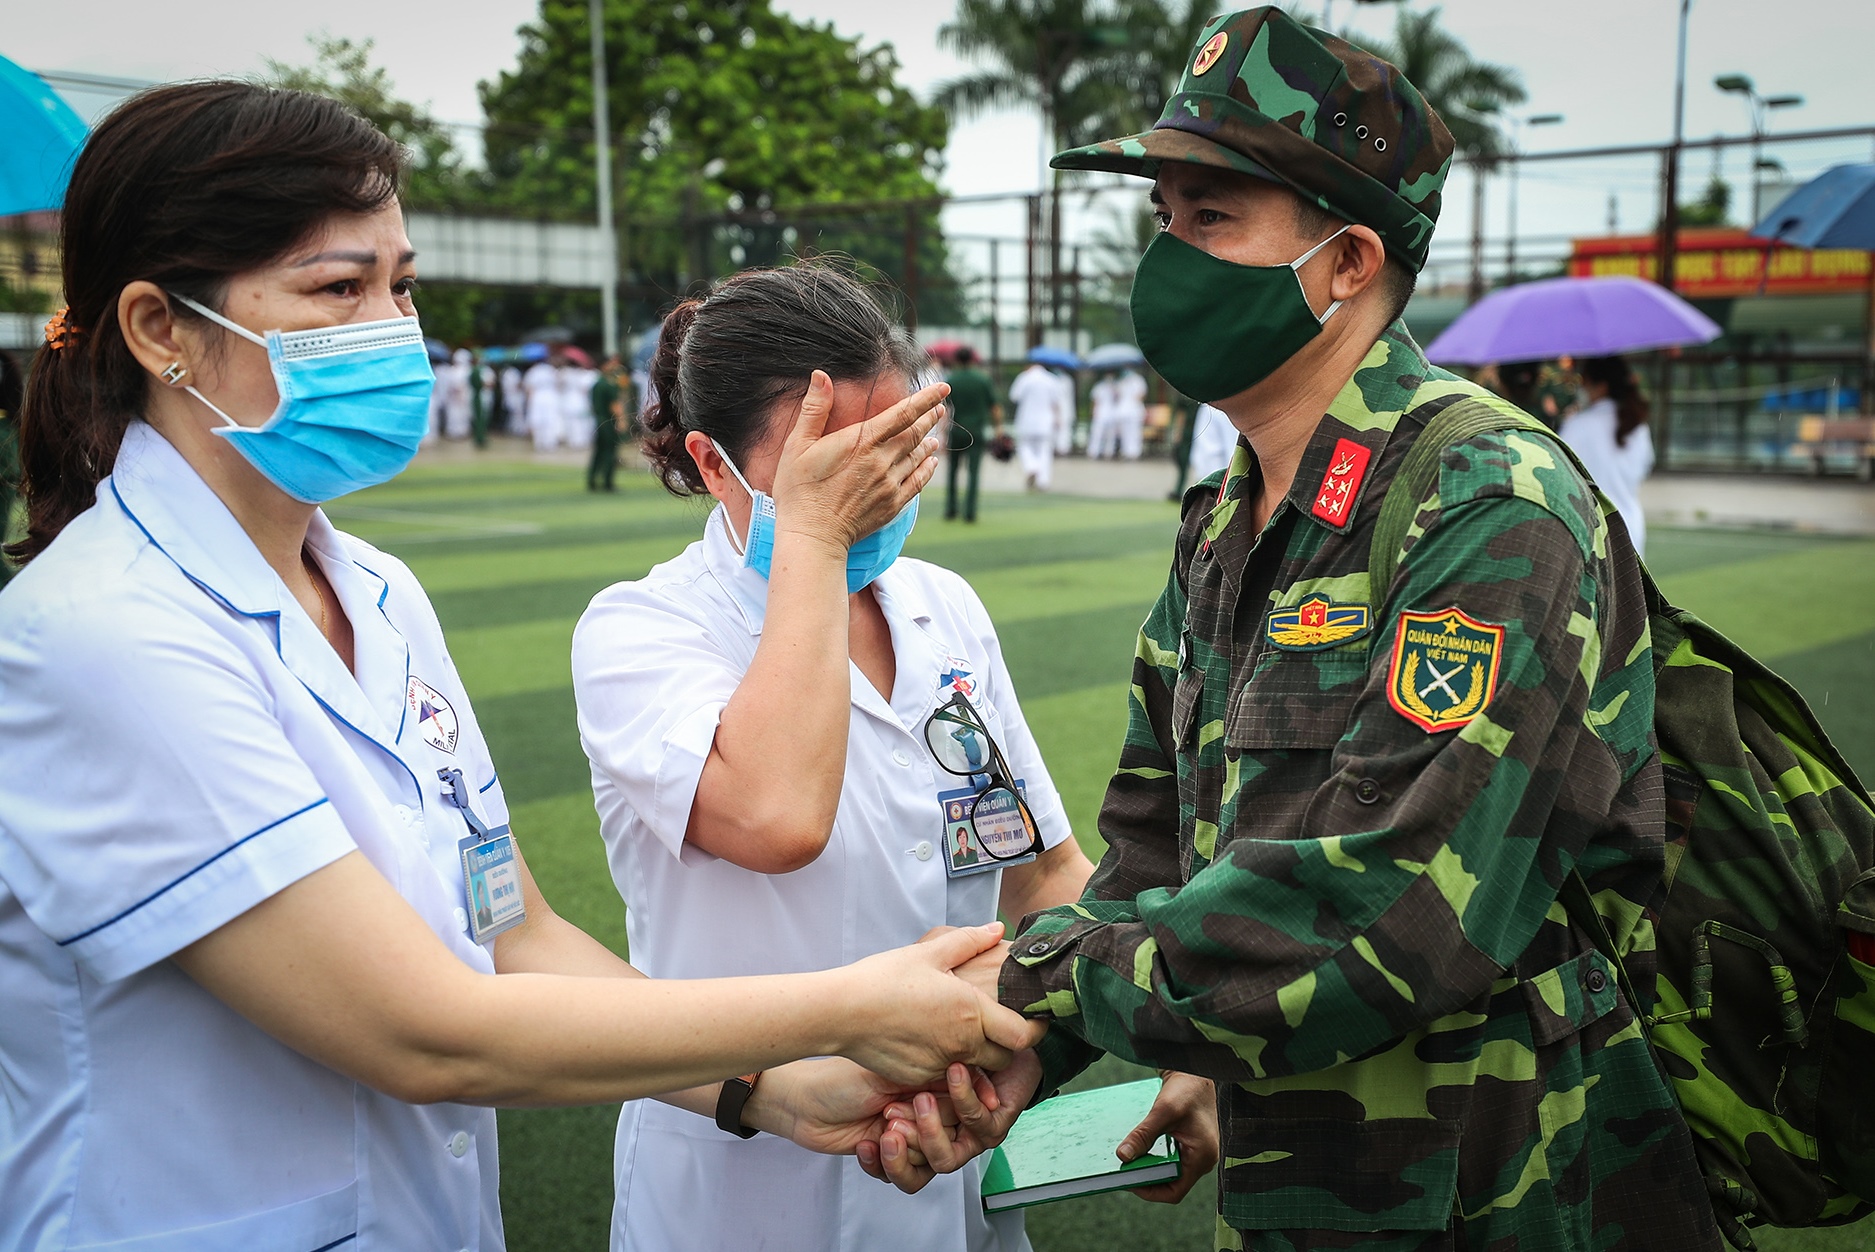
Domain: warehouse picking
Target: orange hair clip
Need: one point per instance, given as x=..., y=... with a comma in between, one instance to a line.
x=60, y=333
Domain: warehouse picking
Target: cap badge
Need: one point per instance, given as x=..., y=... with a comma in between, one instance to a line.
x=1212, y=50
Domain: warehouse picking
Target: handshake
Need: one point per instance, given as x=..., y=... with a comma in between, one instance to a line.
x=933, y=1071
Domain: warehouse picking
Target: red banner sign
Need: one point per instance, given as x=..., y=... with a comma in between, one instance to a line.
x=1714, y=263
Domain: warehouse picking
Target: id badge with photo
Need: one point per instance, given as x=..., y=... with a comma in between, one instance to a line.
x=491, y=876
x=963, y=854
x=491, y=883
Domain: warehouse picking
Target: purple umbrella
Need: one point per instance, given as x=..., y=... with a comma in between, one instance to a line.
x=1584, y=317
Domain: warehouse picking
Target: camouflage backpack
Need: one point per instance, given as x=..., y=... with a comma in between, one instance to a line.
x=1763, y=1012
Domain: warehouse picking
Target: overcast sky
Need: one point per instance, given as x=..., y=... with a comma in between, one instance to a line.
x=1606, y=65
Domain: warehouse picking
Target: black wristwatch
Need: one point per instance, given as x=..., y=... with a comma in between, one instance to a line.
x=735, y=1094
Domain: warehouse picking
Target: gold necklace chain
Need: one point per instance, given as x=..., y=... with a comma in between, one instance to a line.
x=312, y=572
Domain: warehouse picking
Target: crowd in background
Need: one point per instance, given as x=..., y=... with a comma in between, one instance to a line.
x=559, y=399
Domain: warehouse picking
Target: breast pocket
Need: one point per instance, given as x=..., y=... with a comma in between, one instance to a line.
x=1297, y=700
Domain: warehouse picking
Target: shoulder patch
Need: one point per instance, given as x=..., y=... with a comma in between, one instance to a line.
x=1316, y=623
x=1444, y=668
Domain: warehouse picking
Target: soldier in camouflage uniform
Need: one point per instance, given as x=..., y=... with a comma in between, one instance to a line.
x=1343, y=812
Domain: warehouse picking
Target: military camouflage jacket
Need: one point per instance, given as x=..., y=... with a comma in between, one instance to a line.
x=1339, y=825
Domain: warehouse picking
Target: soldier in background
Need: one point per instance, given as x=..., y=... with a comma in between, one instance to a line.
x=973, y=407
x=1343, y=813
x=608, y=421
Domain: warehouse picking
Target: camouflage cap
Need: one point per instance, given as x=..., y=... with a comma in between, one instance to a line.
x=1266, y=96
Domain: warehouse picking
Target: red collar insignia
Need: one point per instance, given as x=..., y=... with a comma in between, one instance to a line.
x=1342, y=483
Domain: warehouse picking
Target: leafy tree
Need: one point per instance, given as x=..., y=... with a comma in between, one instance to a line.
x=342, y=69
x=734, y=127
x=1714, y=208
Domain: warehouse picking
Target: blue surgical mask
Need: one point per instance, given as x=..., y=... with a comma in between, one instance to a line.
x=865, y=560
x=354, y=405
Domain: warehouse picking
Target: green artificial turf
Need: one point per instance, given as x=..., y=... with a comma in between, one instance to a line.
x=512, y=551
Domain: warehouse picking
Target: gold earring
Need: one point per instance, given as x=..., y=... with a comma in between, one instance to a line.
x=173, y=372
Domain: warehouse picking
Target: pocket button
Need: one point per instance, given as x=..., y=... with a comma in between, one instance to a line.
x=1597, y=982
x=1367, y=791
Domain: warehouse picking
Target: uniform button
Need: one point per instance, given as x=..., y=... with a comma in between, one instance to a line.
x=1597, y=982
x=923, y=851
x=1036, y=949
x=1367, y=791
x=898, y=754
x=403, y=813
x=459, y=1143
x=462, y=919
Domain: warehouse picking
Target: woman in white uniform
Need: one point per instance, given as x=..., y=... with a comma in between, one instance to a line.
x=269, y=949
x=1609, y=432
x=789, y=727
x=1037, y=400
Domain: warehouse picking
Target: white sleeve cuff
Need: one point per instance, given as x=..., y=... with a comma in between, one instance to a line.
x=686, y=748
x=212, y=894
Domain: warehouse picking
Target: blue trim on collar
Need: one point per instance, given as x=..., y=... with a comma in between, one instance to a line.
x=275, y=614
x=403, y=717
x=198, y=869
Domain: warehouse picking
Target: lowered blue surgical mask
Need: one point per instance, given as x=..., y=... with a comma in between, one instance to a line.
x=354, y=405
x=865, y=560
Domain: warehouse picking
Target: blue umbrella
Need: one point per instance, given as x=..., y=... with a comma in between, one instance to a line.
x=1114, y=356
x=43, y=137
x=1048, y=354
x=1836, y=209
x=647, y=347
x=437, y=349
x=533, y=352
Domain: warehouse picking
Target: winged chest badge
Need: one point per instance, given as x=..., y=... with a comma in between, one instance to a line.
x=1315, y=624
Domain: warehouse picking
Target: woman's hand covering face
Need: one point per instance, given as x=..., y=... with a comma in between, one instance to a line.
x=837, y=480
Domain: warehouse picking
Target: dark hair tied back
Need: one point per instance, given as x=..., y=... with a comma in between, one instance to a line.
x=185, y=186
x=728, y=362
x=1631, y=407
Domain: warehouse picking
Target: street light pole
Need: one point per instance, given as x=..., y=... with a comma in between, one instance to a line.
x=1667, y=249
x=602, y=147
x=1670, y=191
x=1760, y=109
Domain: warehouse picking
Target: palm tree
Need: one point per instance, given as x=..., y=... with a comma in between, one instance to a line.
x=1092, y=68
x=1466, y=94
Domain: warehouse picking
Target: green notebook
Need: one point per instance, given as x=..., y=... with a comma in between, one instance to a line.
x=1063, y=1147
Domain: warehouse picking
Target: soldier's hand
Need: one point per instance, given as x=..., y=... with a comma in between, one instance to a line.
x=983, y=970
x=930, y=1134
x=1187, y=1110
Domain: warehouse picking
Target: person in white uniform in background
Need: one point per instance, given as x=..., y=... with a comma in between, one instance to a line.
x=1213, y=442
x=1103, y=431
x=270, y=953
x=787, y=725
x=1130, y=410
x=545, y=407
x=1069, y=413
x=455, y=381
x=439, y=400
x=513, y=401
x=1036, y=397
x=1609, y=432
x=576, y=405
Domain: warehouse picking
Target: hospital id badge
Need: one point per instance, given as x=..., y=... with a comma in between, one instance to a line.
x=491, y=876
x=491, y=883
x=963, y=854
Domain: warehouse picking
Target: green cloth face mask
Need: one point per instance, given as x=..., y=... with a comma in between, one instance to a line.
x=1214, y=328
